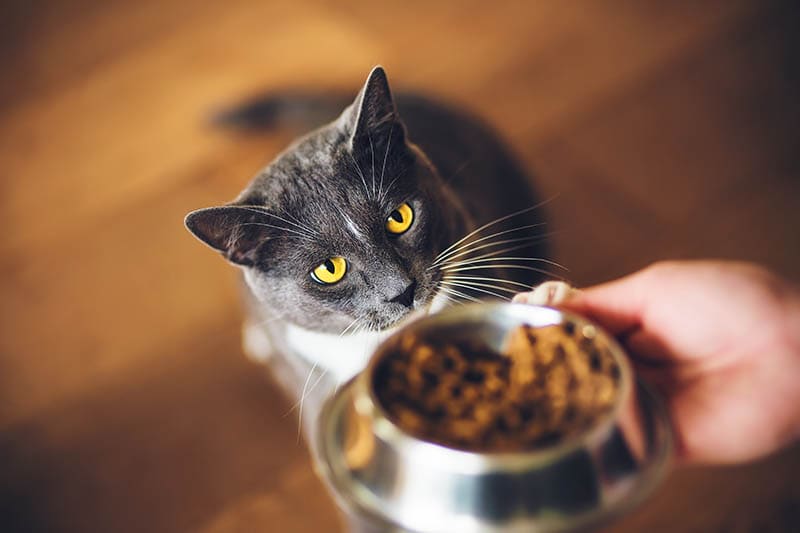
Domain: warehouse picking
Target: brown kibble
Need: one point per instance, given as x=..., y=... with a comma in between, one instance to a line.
x=494, y=384
x=484, y=412
x=409, y=420
x=470, y=393
x=546, y=385
x=407, y=344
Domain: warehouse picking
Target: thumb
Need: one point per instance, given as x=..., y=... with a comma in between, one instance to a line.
x=617, y=305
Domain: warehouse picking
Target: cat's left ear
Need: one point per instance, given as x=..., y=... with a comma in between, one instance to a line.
x=374, y=115
x=237, y=232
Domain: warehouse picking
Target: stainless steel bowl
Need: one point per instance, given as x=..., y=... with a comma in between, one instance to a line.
x=388, y=480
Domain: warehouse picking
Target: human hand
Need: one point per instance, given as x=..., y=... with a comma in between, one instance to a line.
x=721, y=341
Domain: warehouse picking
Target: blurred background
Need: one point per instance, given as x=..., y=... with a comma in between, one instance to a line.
x=667, y=129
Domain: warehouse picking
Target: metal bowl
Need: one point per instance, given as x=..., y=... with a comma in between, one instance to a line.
x=388, y=480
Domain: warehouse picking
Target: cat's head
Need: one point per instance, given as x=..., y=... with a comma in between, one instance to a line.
x=341, y=229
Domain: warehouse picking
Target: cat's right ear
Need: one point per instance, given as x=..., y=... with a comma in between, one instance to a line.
x=373, y=116
x=237, y=232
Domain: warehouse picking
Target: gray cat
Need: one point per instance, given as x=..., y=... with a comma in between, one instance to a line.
x=366, y=223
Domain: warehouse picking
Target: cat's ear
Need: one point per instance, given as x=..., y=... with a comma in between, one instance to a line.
x=373, y=114
x=236, y=232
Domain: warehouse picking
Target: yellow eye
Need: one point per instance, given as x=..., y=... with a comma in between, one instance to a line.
x=330, y=271
x=400, y=219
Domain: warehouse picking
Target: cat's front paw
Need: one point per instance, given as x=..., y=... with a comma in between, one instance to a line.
x=548, y=293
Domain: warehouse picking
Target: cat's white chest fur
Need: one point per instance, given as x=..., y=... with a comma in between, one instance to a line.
x=342, y=356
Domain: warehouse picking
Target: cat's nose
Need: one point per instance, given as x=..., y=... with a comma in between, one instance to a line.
x=406, y=297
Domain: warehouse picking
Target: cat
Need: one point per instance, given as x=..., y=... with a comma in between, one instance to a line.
x=397, y=208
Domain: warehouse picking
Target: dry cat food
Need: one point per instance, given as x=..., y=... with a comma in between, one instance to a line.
x=548, y=384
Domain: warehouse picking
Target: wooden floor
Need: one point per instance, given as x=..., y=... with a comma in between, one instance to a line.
x=125, y=402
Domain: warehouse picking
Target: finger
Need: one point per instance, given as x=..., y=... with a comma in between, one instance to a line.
x=548, y=293
x=618, y=305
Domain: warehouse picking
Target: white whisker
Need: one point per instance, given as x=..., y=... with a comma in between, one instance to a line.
x=529, y=241
x=385, y=157
x=350, y=325
x=389, y=188
x=448, y=298
x=493, y=253
x=452, y=176
x=466, y=247
x=305, y=236
x=481, y=284
x=493, y=222
x=519, y=267
x=467, y=262
x=486, y=278
x=457, y=293
x=372, y=151
x=263, y=211
x=472, y=288
x=358, y=168
x=302, y=399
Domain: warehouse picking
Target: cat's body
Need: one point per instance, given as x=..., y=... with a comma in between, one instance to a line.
x=331, y=207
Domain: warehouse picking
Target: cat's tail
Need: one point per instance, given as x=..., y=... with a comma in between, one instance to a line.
x=284, y=109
